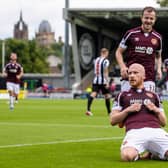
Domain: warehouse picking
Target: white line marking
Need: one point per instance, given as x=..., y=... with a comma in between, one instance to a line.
x=61, y=142
x=57, y=125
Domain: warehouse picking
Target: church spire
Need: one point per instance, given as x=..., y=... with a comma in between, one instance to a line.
x=21, y=29
x=21, y=18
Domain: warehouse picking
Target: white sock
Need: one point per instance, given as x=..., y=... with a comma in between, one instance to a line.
x=11, y=101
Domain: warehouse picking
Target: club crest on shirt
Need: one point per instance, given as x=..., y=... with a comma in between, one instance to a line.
x=154, y=41
x=149, y=50
x=147, y=101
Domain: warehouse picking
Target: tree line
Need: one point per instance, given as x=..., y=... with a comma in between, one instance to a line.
x=30, y=54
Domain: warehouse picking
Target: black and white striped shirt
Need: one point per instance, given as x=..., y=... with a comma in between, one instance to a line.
x=100, y=65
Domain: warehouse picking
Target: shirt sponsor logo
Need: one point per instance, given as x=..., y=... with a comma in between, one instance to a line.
x=143, y=49
x=133, y=101
x=140, y=101
x=13, y=70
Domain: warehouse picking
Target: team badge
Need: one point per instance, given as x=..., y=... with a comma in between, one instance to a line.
x=154, y=41
x=149, y=50
x=147, y=101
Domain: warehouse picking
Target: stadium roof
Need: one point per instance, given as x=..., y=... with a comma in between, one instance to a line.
x=120, y=19
x=106, y=26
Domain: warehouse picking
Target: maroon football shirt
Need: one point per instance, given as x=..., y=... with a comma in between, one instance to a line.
x=12, y=70
x=142, y=48
x=143, y=118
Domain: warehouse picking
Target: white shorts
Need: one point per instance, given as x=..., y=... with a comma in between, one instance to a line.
x=154, y=140
x=13, y=87
x=149, y=85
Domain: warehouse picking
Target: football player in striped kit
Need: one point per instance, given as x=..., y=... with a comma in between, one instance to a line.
x=100, y=81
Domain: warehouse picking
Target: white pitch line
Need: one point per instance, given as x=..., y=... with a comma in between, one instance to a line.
x=57, y=125
x=61, y=142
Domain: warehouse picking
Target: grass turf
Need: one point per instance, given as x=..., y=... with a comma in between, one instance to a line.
x=48, y=133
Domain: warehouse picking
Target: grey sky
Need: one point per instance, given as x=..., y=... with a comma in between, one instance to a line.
x=34, y=11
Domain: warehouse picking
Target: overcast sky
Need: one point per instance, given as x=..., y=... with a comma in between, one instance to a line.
x=34, y=11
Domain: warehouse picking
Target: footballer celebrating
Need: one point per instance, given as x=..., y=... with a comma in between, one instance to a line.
x=141, y=113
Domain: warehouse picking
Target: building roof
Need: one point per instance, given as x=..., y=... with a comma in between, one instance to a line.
x=120, y=19
x=21, y=25
x=44, y=27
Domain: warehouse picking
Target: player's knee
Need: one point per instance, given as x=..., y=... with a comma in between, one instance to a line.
x=129, y=155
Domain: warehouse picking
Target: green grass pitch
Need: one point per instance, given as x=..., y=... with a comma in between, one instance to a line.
x=47, y=133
